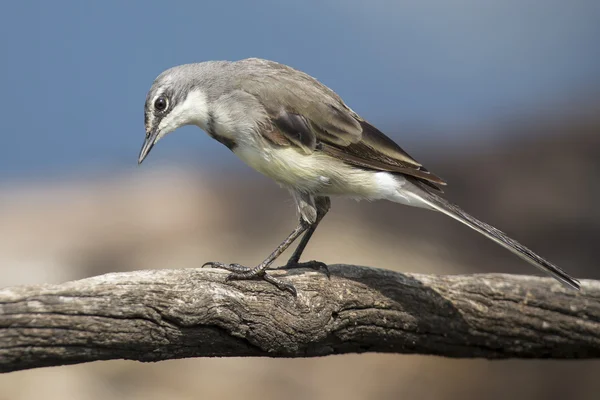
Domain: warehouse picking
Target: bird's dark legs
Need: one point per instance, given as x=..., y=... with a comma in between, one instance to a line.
x=323, y=204
x=240, y=272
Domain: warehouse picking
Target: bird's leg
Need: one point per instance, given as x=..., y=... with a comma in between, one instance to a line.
x=239, y=272
x=323, y=204
x=311, y=212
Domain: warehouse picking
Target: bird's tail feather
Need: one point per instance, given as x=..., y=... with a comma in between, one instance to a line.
x=442, y=205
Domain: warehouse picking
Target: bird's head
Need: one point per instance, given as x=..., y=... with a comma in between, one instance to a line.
x=177, y=97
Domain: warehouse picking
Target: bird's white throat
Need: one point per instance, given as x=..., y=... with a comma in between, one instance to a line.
x=193, y=110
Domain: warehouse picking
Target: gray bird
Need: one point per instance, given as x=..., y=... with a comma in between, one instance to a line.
x=295, y=130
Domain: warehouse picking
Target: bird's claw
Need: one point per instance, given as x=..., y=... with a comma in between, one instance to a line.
x=240, y=272
x=281, y=285
x=233, y=267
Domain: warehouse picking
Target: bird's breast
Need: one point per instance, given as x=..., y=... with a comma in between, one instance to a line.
x=284, y=165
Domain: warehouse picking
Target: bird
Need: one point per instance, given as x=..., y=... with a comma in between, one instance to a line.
x=297, y=131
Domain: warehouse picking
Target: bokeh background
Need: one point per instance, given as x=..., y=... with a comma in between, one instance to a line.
x=502, y=99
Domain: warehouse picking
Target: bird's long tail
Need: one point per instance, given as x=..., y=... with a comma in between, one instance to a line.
x=442, y=205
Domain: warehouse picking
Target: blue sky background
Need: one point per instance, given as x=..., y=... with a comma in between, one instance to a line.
x=74, y=74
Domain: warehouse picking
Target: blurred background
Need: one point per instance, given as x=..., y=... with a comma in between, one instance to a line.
x=502, y=99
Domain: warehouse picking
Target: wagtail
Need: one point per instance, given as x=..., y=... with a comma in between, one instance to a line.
x=297, y=131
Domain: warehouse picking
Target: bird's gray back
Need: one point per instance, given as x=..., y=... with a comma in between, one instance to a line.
x=280, y=85
x=283, y=88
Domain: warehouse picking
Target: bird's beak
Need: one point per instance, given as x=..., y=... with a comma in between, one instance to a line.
x=148, y=144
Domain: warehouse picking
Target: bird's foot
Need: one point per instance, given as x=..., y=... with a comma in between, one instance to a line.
x=313, y=264
x=240, y=272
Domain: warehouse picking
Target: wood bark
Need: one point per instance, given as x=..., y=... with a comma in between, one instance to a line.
x=167, y=314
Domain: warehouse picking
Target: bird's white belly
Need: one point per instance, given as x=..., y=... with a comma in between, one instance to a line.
x=320, y=174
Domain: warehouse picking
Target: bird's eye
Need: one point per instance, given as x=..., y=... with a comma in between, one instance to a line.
x=161, y=103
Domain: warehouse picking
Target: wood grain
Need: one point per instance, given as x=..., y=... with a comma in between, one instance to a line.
x=168, y=314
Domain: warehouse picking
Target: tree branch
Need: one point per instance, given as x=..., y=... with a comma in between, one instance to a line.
x=167, y=314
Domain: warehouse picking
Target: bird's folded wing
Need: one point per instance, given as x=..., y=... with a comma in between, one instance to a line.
x=306, y=114
x=373, y=150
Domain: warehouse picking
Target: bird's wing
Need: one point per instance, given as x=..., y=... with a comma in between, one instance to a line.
x=305, y=113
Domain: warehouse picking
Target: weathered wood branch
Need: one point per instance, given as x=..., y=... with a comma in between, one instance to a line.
x=167, y=314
